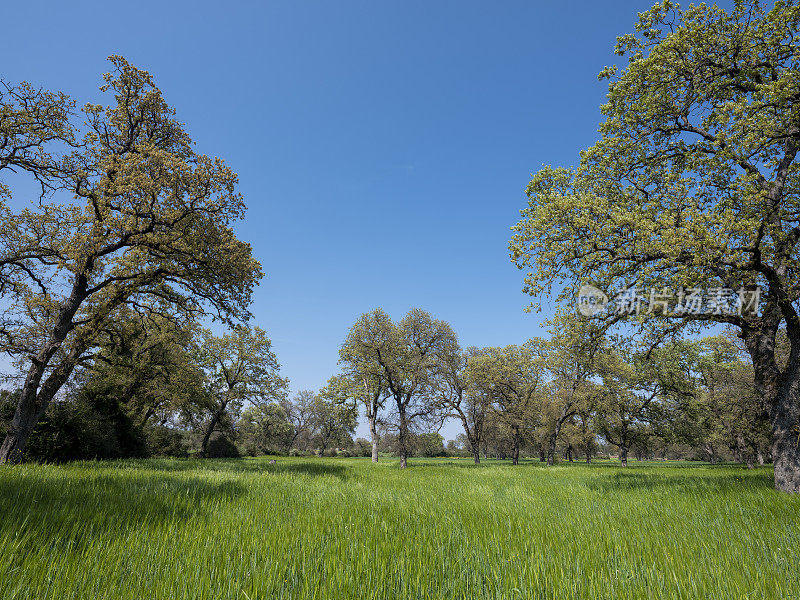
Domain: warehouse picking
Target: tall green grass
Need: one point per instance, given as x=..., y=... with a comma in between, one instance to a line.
x=328, y=528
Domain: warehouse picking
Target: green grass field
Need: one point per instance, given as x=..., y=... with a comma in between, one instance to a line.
x=343, y=528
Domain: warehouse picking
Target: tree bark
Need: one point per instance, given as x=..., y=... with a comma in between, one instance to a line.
x=35, y=396
x=566, y=413
x=25, y=417
x=786, y=444
x=402, y=437
x=623, y=455
x=373, y=431
x=207, y=436
x=551, y=443
x=215, y=418
x=781, y=394
x=32, y=404
x=473, y=437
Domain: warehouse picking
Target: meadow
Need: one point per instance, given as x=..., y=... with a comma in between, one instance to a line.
x=344, y=528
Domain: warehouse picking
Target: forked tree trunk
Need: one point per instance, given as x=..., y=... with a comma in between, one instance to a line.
x=25, y=417
x=551, y=447
x=212, y=425
x=475, y=446
x=36, y=395
x=32, y=402
x=207, y=436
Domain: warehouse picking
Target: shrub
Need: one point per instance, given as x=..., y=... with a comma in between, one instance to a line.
x=221, y=447
x=165, y=441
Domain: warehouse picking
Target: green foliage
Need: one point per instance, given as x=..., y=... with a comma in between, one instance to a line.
x=84, y=427
x=265, y=429
x=219, y=446
x=431, y=444
x=167, y=442
x=404, y=359
x=239, y=367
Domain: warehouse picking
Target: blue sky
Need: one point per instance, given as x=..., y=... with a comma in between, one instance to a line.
x=383, y=147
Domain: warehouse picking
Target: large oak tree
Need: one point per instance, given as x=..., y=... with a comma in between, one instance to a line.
x=694, y=184
x=136, y=218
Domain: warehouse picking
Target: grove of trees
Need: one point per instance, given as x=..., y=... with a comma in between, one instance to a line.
x=125, y=292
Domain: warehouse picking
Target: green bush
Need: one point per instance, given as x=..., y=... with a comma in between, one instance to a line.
x=165, y=441
x=221, y=447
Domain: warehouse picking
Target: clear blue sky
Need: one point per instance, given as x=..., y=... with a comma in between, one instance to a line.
x=383, y=147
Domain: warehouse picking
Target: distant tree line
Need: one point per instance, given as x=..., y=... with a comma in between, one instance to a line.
x=573, y=394
x=153, y=388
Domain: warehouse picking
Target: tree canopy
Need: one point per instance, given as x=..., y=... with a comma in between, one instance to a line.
x=693, y=185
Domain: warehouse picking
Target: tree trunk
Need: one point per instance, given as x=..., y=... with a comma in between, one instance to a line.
x=551, y=448
x=210, y=430
x=542, y=457
x=515, y=456
x=373, y=431
x=402, y=437
x=623, y=455
x=25, y=417
x=33, y=399
x=31, y=405
x=476, y=455
x=207, y=436
x=781, y=393
x=786, y=445
x=569, y=453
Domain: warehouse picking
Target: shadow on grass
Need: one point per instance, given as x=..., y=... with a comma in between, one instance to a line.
x=69, y=509
x=704, y=482
x=309, y=468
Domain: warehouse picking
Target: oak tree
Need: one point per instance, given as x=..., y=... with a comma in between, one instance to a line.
x=693, y=184
x=137, y=218
x=240, y=368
